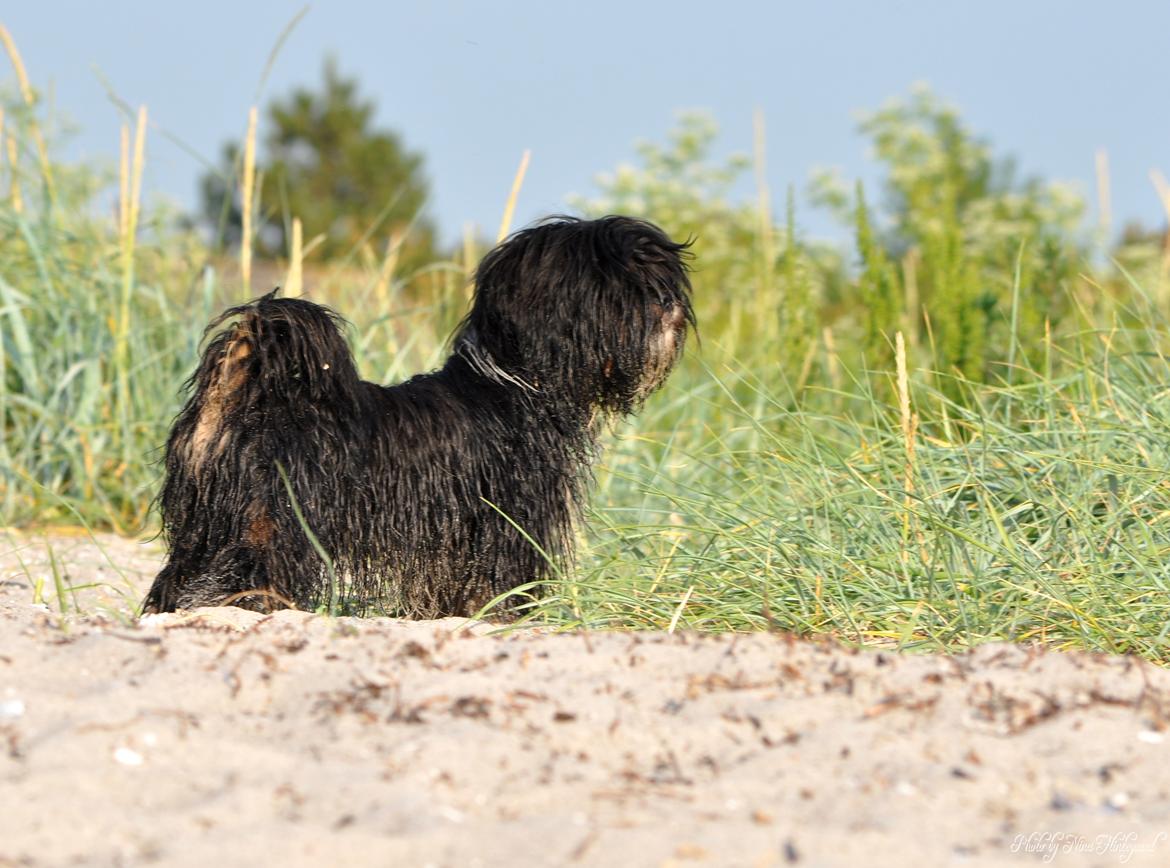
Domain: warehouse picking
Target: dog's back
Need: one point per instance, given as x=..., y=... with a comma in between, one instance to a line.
x=417, y=492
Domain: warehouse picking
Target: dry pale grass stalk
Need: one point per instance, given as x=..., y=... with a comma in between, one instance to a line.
x=389, y=263
x=136, y=175
x=294, y=285
x=247, y=191
x=313, y=243
x=124, y=184
x=510, y=208
x=26, y=94
x=909, y=425
x=3, y=150
x=831, y=360
x=129, y=227
x=130, y=190
x=903, y=391
x=763, y=203
x=1104, y=197
x=130, y=194
x=806, y=367
x=686, y=598
x=1162, y=186
x=13, y=176
x=17, y=64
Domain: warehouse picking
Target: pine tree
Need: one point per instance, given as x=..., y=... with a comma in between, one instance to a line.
x=325, y=162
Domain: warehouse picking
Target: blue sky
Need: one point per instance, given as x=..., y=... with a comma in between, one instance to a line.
x=472, y=85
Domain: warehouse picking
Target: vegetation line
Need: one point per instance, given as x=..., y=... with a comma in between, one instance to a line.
x=953, y=430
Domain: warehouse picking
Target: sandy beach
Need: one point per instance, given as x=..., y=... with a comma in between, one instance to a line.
x=231, y=738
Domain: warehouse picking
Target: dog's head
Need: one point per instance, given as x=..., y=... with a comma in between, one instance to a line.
x=595, y=312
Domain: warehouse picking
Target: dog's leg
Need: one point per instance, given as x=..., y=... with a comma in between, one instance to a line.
x=215, y=552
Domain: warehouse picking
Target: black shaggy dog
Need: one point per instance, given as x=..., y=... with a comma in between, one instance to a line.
x=437, y=495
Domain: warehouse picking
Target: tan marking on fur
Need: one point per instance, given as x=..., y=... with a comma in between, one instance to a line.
x=220, y=397
x=260, y=529
x=665, y=347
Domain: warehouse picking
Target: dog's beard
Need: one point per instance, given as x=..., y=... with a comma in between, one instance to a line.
x=666, y=346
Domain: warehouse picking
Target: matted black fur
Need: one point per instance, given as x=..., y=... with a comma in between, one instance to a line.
x=407, y=487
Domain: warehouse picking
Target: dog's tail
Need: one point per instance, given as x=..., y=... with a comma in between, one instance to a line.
x=261, y=391
x=279, y=349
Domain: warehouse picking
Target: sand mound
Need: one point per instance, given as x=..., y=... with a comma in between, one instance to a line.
x=222, y=736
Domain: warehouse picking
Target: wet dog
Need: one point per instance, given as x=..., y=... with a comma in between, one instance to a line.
x=290, y=481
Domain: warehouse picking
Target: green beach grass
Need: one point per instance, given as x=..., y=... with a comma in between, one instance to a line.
x=804, y=469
